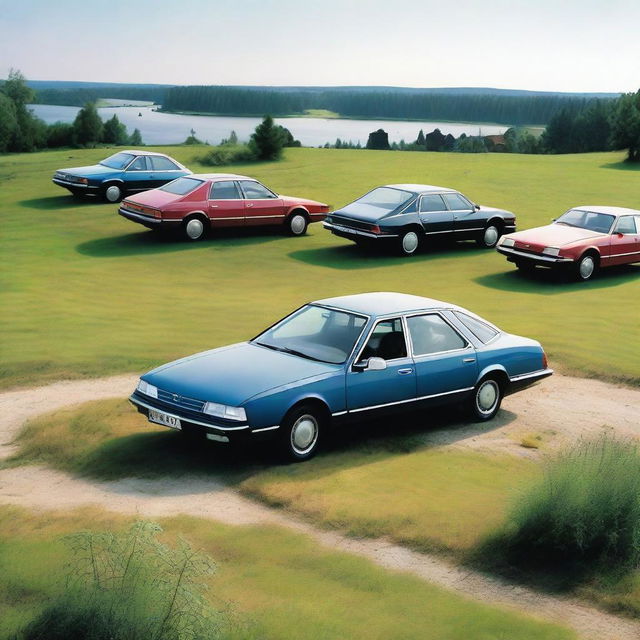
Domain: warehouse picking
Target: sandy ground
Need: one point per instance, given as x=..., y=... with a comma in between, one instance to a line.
x=560, y=410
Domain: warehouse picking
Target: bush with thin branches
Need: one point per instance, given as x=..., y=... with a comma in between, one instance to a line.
x=131, y=587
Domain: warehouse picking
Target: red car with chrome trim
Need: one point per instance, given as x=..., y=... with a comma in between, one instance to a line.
x=583, y=239
x=198, y=203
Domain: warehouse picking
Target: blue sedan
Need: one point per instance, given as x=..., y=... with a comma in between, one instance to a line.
x=122, y=173
x=339, y=359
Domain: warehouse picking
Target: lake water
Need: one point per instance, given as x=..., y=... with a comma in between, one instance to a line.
x=169, y=128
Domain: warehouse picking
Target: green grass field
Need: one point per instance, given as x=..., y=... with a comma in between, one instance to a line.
x=86, y=293
x=280, y=584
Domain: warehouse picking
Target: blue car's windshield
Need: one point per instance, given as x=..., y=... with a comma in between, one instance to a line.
x=385, y=198
x=181, y=186
x=598, y=222
x=316, y=333
x=117, y=160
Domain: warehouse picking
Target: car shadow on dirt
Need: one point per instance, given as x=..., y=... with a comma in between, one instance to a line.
x=350, y=256
x=170, y=455
x=150, y=242
x=547, y=282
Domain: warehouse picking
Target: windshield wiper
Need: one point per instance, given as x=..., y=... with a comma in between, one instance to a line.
x=567, y=223
x=294, y=352
x=269, y=346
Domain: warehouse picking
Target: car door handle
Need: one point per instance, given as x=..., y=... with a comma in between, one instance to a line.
x=404, y=372
x=468, y=359
x=249, y=204
x=213, y=206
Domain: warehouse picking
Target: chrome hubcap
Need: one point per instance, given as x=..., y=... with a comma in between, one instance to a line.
x=113, y=193
x=587, y=265
x=298, y=224
x=491, y=236
x=195, y=228
x=487, y=397
x=304, y=434
x=410, y=242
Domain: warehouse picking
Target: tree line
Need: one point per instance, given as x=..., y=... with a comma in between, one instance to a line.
x=598, y=126
x=20, y=130
x=370, y=103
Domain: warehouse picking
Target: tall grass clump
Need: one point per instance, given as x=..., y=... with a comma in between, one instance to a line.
x=130, y=587
x=228, y=154
x=582, y=516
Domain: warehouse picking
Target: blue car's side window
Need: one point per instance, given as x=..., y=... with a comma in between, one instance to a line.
x=160, y=163
x=431, y=334
x=139, y=164
x=386, y=341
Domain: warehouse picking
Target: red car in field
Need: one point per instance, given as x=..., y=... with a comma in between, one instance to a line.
x=583, y=239
x=198, y=203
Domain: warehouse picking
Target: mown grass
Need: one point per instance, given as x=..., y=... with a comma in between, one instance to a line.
x=281, y=583
x=86, y=293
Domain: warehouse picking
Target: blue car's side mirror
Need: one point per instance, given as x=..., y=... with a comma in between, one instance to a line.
x=372, y=364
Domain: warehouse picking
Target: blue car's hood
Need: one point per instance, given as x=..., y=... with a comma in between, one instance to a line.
x=231, y=375
x=90, y=171
x=364, y=212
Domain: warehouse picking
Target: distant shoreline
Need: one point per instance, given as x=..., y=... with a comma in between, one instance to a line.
x=337, y=116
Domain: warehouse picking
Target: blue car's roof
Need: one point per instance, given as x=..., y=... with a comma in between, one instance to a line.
x=419, y=188
x=381, y=303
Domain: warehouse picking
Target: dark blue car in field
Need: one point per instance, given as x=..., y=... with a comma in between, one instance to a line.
x=339, y=359
x=120, y=174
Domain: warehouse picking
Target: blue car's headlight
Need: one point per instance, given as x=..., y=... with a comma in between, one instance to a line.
x=147, y=389
x=223, y=411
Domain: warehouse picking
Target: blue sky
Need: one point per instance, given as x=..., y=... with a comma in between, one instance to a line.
x=556, y=45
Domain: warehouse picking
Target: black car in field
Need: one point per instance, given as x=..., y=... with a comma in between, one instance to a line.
x=405, y=214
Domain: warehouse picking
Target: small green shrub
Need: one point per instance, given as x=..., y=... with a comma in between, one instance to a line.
x=130, y=587
x=228, y=154
x=582, y=516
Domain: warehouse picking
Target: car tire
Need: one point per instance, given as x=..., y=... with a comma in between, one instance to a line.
x=300, y=435
x=586, y=267
x=489, y=236
x=194, y=229
x=297, y=224
x=486, y=399
x=112, y=193
x=408, y=242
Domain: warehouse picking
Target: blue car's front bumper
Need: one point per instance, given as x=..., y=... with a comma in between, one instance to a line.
x=195, y=422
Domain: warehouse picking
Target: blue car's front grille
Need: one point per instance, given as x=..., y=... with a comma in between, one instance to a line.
x=180, y=401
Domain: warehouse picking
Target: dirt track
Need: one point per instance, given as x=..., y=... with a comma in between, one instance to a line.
x=560, y=410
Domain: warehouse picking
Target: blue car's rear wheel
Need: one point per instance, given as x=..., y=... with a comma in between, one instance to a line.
x=486, y=399
x=301, y=430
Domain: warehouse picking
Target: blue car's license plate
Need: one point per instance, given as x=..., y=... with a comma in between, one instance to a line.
x=162, y=418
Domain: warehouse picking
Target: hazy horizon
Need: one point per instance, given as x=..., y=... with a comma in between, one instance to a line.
x=577, y=46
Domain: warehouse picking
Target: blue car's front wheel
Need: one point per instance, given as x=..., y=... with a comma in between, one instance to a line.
x=301, y=430
x=112, y=192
